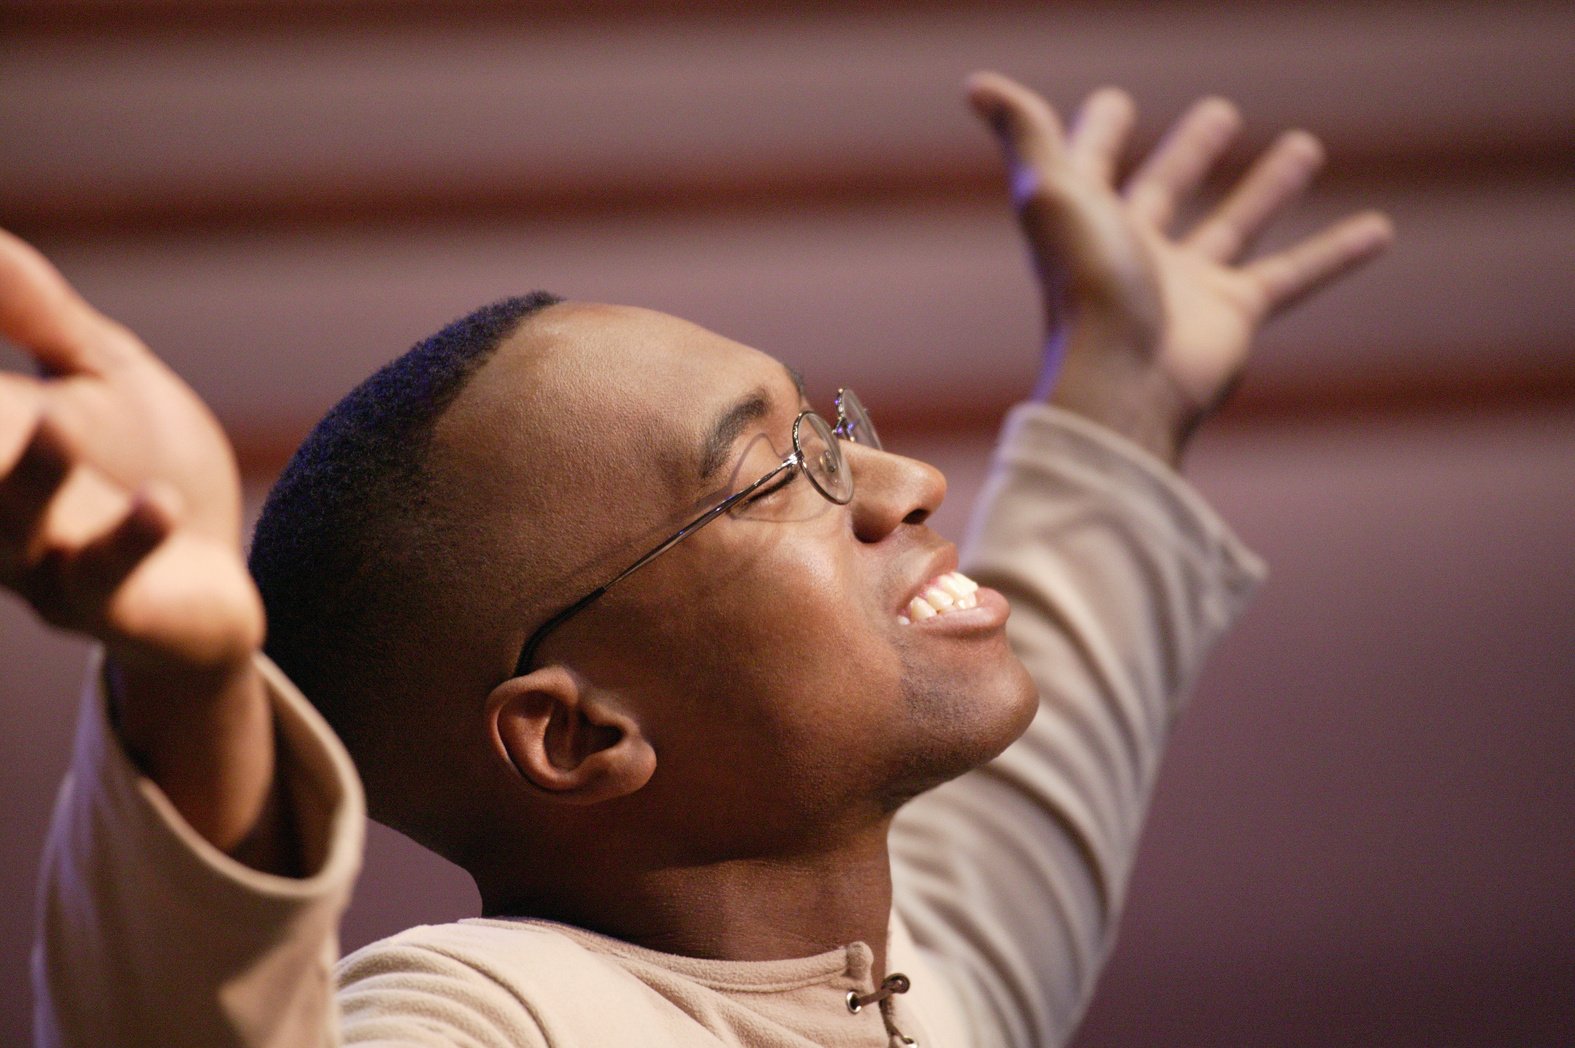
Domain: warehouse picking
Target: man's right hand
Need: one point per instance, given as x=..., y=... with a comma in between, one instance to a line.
x=120, y=519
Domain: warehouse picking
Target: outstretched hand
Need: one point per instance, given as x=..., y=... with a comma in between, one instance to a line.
x=119, y=496
x=1148, y=329
x=120, y=519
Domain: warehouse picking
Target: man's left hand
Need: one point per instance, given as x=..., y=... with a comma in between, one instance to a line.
x=1148, y=329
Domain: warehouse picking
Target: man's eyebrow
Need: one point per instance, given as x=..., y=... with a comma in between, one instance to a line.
x=798, y=380
x=718, y=444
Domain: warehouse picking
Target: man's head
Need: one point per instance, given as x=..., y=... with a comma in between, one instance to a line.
x=752, y=690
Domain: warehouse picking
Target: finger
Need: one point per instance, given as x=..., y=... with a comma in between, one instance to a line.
x=20, y=403
x=43, y=314
x=81, y=584
x=1289, y=275
x=27, y=490
x=1276, y=179
x=1026, y=126
x=1182, y=160
x=1100, y=133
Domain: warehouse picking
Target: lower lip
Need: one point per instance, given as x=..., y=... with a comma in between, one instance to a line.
x=987, y=616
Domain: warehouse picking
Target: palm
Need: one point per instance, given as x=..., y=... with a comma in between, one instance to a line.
x=1210, y=316
x=141, y=424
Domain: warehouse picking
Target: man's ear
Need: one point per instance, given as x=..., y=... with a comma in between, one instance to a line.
x=571, y=741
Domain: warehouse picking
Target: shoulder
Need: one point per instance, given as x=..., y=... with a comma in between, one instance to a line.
x=509, y=982
x=483, y=943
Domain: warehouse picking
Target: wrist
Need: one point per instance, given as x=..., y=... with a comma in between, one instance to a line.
x=1120, y=390
x=156, y=703
x=204, y=735
x=131, y=674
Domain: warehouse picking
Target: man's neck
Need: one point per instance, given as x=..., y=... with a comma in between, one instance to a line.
x=741, y=910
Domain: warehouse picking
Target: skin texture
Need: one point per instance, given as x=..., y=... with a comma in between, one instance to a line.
x=694, y=762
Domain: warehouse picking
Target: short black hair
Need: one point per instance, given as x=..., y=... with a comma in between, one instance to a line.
x=344, y=539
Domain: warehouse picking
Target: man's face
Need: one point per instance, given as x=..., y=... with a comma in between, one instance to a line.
x=768, y=655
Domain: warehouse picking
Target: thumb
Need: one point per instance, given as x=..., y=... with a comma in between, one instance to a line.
x=1027, y=128
x=42, y=313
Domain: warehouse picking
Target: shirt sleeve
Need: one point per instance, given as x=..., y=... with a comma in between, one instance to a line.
x=1120, y=579
x=148, y=935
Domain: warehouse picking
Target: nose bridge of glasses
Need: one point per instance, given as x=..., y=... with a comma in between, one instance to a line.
x=854, y=429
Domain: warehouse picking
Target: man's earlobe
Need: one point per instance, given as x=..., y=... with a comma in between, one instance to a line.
x=567, y=739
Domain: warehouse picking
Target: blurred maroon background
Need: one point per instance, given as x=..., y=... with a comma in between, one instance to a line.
x=1363, y=834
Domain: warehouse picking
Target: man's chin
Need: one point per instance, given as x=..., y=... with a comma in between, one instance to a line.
x=965, y=725
x=1017, y=702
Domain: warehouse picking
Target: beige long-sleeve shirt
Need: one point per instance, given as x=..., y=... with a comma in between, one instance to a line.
x=1008, y=881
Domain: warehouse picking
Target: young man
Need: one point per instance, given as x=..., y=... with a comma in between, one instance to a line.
x=605, y=613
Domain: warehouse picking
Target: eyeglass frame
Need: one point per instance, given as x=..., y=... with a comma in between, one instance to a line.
x=843, y=430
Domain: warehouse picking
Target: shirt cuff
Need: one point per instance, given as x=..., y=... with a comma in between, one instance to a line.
x=322, y=788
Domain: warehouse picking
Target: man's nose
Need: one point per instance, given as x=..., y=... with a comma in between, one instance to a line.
x=890, y=489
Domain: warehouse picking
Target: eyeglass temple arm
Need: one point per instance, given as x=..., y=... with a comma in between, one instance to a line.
x=522, y=667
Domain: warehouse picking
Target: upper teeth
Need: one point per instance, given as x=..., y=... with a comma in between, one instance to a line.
x=952, y=591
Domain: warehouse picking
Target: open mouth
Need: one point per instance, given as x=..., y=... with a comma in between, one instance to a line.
x=952, y=591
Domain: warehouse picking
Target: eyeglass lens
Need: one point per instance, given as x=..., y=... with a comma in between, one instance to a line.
x=823, y=459
x=854, y=421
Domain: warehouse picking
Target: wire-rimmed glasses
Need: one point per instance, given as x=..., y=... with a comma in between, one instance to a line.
x=815, y=451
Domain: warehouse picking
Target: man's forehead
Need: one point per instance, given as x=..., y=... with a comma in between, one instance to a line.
x=639, y=348
x=588, y=407
x=641, y=380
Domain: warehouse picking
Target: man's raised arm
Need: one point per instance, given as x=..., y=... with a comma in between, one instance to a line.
x=120, y=520
x=1120, y=577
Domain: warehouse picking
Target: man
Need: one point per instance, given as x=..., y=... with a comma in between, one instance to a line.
x=670, y=663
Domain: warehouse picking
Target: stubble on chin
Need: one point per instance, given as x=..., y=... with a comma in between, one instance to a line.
x=954, y=726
